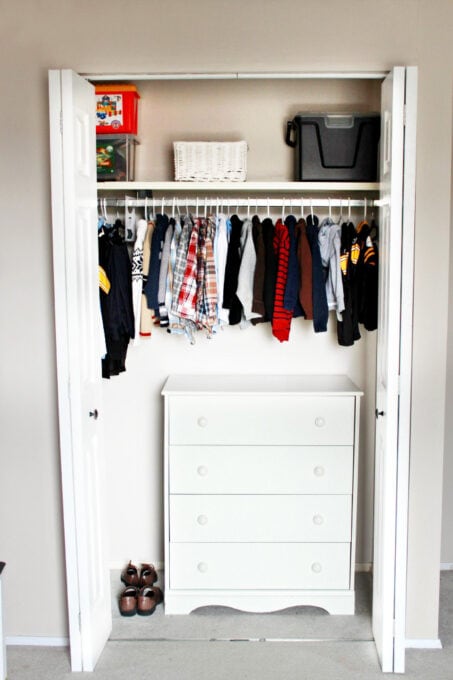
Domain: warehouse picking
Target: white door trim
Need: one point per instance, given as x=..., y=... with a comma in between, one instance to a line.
x=63, y=376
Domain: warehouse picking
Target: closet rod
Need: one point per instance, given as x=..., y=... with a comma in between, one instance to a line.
x=242, y=202
x=252, y=75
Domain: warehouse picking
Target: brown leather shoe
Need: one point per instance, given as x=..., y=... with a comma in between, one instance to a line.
x=129, y=575
x=147, y=600
x=148, y=575
x=128, y=601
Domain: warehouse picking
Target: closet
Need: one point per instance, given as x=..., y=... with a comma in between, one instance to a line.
x=130, y=409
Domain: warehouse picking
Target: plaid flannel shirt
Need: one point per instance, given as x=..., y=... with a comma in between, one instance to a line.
x=206, y=278
x=187, y=299
x=180, y=262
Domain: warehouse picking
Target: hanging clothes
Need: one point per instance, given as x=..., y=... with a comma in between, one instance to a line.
x=116, y=306
x=348, y=328
x=146, y=313
x=329, y=239
x=137, y=275
x=221, y=240
x=305, y=269
x=368, y=275
x=270, y=273
x=233, y=263
x=176, y=235
x=163, y=275
x=258, y=307
x=187, y=298
x=320, y=307
x=291, y=299
x=247, y=271
x=281, y=319
x=151, y=289
x=206, y=298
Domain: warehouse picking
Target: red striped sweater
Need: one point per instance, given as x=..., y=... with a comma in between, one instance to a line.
x=281, y=320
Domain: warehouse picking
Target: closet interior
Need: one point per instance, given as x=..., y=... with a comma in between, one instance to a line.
x=228, y=109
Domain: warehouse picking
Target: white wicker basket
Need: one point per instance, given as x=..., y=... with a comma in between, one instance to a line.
x=210, y=161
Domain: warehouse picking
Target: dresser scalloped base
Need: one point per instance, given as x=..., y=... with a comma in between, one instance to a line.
x=337, y=602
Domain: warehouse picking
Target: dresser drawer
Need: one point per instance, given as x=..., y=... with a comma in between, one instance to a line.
x=264, y=420
x=257, y=566
x=260, y=518
x=261, y=469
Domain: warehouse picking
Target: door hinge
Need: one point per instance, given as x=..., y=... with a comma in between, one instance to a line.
x=404, y=114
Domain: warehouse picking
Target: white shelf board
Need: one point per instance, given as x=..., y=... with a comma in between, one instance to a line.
x=293, y=187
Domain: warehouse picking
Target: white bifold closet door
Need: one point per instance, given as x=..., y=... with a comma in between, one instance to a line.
x=393, y=368
x=72, y=111
x=78, y=329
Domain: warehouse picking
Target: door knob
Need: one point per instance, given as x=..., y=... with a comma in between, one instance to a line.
x=379, y=413
x=94, y=414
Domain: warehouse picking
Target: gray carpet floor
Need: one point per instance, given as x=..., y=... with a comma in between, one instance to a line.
x=223, y=623
x=223, y=660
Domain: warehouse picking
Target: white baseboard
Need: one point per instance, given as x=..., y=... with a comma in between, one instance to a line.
x=423, y=644
x=446, y=566
x=33, y=641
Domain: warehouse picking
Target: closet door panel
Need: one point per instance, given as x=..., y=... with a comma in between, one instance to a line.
x=262, y=420
x=260, y=518
x=261, y=469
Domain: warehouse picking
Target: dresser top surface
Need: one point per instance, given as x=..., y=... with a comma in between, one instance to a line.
x=260, y=384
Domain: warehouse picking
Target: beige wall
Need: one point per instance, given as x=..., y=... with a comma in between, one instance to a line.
x=198, y=36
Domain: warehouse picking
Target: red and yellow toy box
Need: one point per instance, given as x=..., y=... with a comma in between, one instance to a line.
x=116, y=109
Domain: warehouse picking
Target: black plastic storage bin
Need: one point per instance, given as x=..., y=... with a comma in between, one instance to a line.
x=335, y=147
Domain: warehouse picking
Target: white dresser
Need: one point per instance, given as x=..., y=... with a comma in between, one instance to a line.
x=260, y=491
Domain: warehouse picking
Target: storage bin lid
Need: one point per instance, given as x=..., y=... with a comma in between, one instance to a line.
x=335, y=120
x=116, y=88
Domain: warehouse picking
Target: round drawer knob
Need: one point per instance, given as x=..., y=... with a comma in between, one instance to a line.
x=202, y=567
x=320, y=421
x=202, y=470
x=316, y=568
x=319, y=471
x=202, y=421
x=318, y=520
x=202, y=520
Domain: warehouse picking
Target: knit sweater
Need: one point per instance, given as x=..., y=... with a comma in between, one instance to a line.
x=137, y=275
x=281, y=319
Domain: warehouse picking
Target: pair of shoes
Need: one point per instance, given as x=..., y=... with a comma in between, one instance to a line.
x=141, y=601
x=130, y=575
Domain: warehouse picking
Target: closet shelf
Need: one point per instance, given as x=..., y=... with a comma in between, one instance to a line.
x=290, y=187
